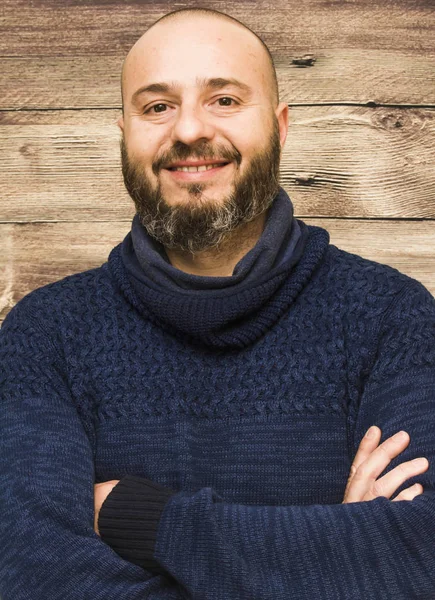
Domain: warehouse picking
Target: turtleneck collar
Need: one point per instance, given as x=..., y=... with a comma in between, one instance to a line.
x=220, y=312
x=280, y=236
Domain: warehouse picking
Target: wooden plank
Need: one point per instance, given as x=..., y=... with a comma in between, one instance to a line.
x=34, y=255
x=338, y=162
x=361, y=162
x=55, y=171
x=350, y=75
x=91, y=28
x=336, y=75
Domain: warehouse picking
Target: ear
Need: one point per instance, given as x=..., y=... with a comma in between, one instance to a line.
x=120, y=123
x=281, y=113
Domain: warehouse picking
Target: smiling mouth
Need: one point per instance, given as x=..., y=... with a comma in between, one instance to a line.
x=197, y=169
x=196, y=174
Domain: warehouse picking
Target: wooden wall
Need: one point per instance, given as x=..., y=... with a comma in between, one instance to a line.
x=358, y=75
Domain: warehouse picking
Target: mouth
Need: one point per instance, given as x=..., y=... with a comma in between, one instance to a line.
x=195, y=170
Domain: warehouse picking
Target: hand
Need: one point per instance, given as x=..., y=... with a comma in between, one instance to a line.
x=101, y=491
x=371, y=460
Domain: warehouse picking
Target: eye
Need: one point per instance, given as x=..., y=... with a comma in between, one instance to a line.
x=226, y=101
x=158, y=108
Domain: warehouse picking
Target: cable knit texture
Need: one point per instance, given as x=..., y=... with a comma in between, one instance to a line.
x=254, y=434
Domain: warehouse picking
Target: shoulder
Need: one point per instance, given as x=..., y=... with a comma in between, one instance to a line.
x=370, y=281
x=365, y=295
x=66, y=297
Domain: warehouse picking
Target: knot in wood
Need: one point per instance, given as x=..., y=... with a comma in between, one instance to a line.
x=307, y=60
x=305, y=178
x=392, y=119
x=27, y=150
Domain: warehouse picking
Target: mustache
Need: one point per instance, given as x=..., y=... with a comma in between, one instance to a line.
x=201, y=151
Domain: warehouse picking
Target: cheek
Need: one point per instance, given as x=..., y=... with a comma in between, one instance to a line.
x=144, y=144
x=247, y=137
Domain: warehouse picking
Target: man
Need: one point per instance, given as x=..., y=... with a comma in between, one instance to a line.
x=208, y=389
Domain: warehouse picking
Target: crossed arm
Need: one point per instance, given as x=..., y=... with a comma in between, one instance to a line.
x=364, y=483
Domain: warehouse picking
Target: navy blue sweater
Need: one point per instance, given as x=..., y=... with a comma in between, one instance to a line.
x=252, y=421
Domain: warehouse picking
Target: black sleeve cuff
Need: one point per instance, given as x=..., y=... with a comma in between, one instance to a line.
x=129, y=519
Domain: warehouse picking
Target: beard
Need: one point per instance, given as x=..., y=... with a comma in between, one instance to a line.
x=203, y=223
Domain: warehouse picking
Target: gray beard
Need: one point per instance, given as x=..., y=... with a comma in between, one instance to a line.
x=203, y=223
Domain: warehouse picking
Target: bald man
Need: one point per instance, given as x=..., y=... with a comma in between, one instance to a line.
x=201, y=416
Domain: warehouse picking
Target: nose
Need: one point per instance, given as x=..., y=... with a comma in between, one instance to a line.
x=191, y=125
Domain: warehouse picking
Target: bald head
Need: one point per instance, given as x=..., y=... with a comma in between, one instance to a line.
x=174, y=23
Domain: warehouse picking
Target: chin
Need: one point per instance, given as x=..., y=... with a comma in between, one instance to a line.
x=212, y=191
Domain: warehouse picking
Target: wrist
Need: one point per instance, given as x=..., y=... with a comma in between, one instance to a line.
x=129, y=519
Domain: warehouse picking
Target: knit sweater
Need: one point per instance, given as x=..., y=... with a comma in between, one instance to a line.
x=253, y=436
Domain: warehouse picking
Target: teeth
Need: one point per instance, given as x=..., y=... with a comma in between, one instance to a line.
x=196, y=169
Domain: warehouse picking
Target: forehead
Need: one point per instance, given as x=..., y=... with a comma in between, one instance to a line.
x=191, y=50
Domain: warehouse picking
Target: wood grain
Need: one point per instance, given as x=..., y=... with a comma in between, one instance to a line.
x=33, y=255
x=335, y=76
x=338, y=161
x=102, y=27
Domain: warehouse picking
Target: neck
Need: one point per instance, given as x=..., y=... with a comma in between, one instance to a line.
x=220, y=261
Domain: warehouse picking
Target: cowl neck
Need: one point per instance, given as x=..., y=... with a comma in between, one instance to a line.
x=222, y=312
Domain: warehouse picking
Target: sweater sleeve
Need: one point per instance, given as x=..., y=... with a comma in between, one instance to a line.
x=48, y=547
x=371, y=550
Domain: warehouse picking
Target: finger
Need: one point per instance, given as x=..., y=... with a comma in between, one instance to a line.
x=387, y=485
x=114, y=481
x=367, y=445
x=372, y=467
x=409, y=494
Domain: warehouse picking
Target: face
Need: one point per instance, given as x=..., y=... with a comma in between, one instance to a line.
x=207, y=105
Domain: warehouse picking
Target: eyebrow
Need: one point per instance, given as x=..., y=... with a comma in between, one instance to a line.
x=214, y=83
